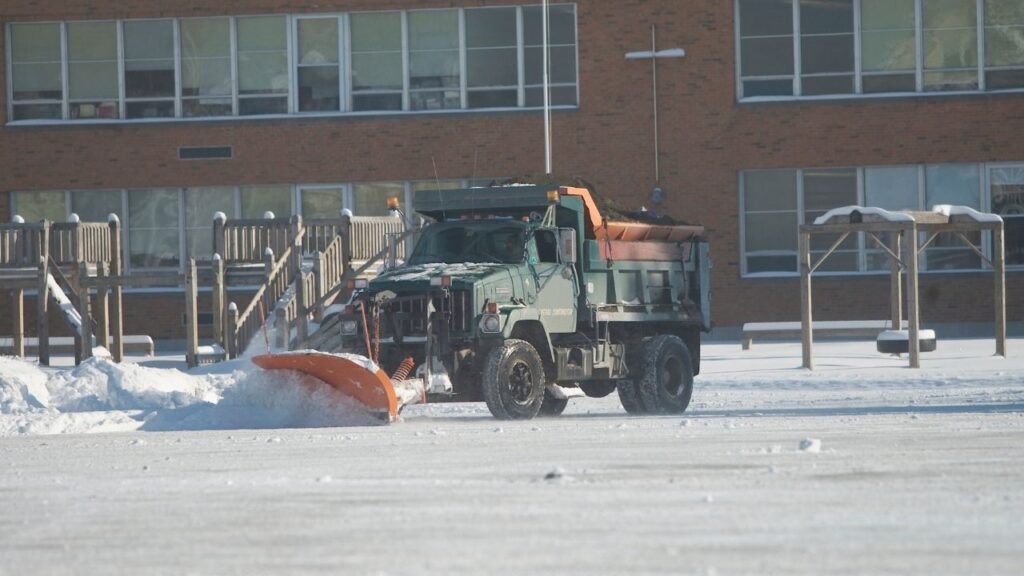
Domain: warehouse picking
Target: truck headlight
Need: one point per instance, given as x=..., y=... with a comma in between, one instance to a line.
x=349, y=327
x=490, y=323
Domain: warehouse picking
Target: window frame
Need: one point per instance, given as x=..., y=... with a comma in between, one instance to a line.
x=343, y=22
x=920, y=90
x=865, y=246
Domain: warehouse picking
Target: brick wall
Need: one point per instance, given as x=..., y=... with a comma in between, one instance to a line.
x=706, y=139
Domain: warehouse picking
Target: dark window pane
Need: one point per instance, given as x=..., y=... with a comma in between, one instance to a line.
x=37, y=111
x=366, y=102
x=822, y=85
x=490, y=27
x=821, y=54
x=563, y=65
x=757, y=264
x=493, y=99
x=826, y=16
x=160, y=109
x=318, y=89
x=753, y=88
x=1004, y=79
x=826, y=189
x=492, y=67
x=1014, y=231
x=769, y=190
x=205, y=107
x=766, y=17
x=561, y=23
x=152, y=80
x=560, y=96
x=435, y=100
x=767, y=56
x=838, y=261
x=257, y=106
x=889, y=83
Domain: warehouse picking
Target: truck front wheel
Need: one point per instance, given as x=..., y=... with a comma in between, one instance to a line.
x=667, y=382
x=513, y=381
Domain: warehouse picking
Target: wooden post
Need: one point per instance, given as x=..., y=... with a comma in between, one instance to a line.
x=345, y=231
x=231, y=350
x=806, y=316
x=116, y=269
x=219, y=236
x=18, y=319
x=913, y=317
x=102, y=306
x=318, y=286
x=999, y=282
x=282, y=328
x=268, y=268
x=43, y=297
x=218, y=301
x=895, y=284
x=301, y=313
x=191, y=315
x=295, y=232
x=84, y=309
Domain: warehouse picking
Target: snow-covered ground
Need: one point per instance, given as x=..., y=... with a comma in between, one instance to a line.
x=861, y=466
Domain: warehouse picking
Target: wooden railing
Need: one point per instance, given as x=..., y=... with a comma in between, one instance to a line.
x=22, y=245
x=247, y=240
x=313, y=292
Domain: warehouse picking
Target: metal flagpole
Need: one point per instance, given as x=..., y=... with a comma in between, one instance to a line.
x=547, y=95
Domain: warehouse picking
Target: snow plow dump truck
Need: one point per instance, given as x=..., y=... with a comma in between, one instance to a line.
x=522, y=296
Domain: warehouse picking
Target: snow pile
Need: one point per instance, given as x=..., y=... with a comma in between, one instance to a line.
x=101, y=396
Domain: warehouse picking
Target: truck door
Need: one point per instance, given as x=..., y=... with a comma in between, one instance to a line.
x=556, y=283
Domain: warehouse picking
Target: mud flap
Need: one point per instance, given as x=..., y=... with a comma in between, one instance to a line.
x=354, y=376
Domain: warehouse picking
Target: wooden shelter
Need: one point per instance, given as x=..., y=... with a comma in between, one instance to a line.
x=904, y=231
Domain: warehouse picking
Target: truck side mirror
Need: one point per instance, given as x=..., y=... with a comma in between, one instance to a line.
x=567, y=245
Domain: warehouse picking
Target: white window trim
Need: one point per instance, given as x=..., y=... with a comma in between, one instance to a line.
x=345, y=68
x=985, y=203
x=858, y=92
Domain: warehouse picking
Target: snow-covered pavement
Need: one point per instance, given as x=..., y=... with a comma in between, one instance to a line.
x=861, y=467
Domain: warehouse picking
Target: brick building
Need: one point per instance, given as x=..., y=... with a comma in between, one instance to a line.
x=779, y=110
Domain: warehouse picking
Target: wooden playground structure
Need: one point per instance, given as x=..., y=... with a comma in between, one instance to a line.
x=903, y=249
x=286, y=269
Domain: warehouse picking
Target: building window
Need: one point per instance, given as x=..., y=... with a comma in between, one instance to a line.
x=97, y=205
x=201, y=205
x=255, y=201
x=888, y=46
x=154, y=237
x=1007, y=193
x=905, y=46
x=36, y=71
x=244, y=66
x=39, y=206
x=773, y=201
x=826, y=47
x=562, y=49
x=149, y=69
x=318, y=61
x=950, y=40
x=376, y=54
x=206, y=79
x=766, y=47
x=263, y=80
x=1004, y=44
x=770, y=219
x=321, y=201
x=434, y=60
x=371, y=199
x=492, y=57
x=92, y=70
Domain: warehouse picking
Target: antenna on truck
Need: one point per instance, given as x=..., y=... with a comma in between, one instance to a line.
x=437, y=183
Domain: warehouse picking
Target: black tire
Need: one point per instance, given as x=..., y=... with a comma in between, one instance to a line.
x=667, y=382
x=629, y=395
x=552, y=406
x=513, y=381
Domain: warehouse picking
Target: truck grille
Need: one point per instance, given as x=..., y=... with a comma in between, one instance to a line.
x=411, y=313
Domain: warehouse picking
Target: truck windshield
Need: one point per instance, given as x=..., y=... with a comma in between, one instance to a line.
x=456, y=242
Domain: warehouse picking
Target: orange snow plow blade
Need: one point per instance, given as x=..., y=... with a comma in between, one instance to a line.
x=372, y=389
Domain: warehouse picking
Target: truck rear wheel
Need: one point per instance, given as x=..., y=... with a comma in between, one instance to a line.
x=629, y=395
x=667, y=382
x=513, y=381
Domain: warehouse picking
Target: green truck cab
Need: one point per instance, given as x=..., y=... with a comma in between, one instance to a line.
x=511, y=297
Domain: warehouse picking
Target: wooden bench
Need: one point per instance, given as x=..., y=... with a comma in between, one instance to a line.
x=829, y=328
x=66, y=345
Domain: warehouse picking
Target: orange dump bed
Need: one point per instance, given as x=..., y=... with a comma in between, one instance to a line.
x=598, y=228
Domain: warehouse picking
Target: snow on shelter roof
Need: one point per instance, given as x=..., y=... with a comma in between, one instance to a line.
x=881, y=213
x=950, y=211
